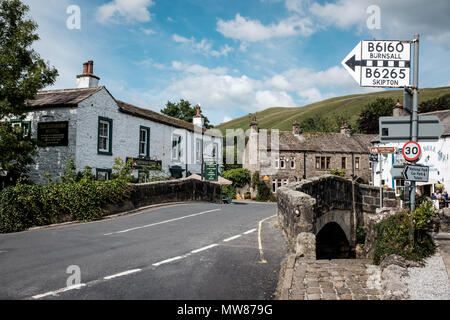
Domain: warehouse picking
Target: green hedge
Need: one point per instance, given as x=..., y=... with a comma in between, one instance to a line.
x=23, y=206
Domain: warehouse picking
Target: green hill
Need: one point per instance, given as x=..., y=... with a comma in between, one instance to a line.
x=345, y=107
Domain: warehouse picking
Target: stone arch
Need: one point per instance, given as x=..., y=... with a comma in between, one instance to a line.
x=341, y=217
x=332, y=243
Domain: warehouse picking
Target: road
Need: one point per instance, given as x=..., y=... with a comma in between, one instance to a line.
x=183, y=251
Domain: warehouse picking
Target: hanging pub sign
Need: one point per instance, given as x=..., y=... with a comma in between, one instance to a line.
x=145, y=164
x=53, y=134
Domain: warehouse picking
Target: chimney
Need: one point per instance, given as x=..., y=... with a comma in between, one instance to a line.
x=346, y=129
x=296, y=128
x=254, y=125
x=399, y=111
x=198, y=120
x=87, y=79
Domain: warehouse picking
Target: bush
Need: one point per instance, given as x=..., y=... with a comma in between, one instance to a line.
x=405, y=234
x=240, y=177
x=360, y=235
x=23, y=206
x=229, y=190
x=264, y=192
x=338, y=172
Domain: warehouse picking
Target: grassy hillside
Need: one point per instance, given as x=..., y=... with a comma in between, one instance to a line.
x=347, y=107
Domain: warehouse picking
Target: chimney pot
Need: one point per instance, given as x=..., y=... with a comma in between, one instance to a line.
x=85, y=68
x=90, y=67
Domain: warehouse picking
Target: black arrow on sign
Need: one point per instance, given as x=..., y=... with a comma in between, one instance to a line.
x=352, y=63
x=405, y=175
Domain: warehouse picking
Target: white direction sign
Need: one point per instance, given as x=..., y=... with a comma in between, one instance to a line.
x=380, y=63
x=416, y=173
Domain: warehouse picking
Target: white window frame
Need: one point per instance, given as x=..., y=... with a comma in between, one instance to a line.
x=198, y=150
x=143, y=142
x=282, y=163
x=106, y=138
x=276, y=163
x=177, y=147
x=292, y=161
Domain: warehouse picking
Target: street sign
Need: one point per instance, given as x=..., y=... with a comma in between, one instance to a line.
x=411, y=151
x=380, y=63
x=398, y=129
x=416, y=173
x=383, y=150
x=211, y=171
x=397, y=171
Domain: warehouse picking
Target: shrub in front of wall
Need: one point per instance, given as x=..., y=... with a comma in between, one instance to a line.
x=405, y=234
x=23, y=206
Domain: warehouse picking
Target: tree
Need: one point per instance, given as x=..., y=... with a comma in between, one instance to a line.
x=436, y=104
x=183, y=111
x=22, y=74
x=368, y=118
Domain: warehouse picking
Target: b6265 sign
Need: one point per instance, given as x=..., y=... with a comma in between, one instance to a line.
x=385, y=63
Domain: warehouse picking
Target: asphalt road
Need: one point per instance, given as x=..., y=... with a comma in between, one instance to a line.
x=185, y=251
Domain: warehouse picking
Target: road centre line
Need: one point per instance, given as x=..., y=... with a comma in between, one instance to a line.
x=161, y=222
x=121, y=274
x=54, y=293
x=232, y=238
x=128, y=272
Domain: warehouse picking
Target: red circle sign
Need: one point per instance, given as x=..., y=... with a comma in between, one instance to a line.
x=411, y=151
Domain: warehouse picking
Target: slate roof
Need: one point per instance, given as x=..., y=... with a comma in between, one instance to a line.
x=71, y=98
x=324, y=142
x=62, y=98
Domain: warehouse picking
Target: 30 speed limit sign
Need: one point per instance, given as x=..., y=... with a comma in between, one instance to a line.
x=411, y=151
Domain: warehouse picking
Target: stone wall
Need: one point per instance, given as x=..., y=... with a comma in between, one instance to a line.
x=301, y=204
x=145, y=194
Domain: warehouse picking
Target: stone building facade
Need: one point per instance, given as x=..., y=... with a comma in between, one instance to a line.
x=88, y=125
x=282, y=157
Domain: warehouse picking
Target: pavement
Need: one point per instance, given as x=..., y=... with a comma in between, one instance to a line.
x=443, y=241
x=183, y=251
x=336, y=279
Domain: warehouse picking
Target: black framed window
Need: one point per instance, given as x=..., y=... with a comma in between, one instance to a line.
x=103, y=174
x=104, y=136
x=144, y=141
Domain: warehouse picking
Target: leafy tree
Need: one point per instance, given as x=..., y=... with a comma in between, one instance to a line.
x=436, y=104
x=240, y=177
x=22, y=74
x=368, y=118
x=183, y=111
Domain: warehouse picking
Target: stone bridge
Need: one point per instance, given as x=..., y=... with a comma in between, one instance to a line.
x=326, y=212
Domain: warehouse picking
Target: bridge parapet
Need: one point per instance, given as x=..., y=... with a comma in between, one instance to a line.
x=308, y=205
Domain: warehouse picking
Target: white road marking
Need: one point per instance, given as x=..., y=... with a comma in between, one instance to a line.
x=261, y=253
x=170, y=260
x=121, y=274
x=161, y=222
x=250, y=231
x=54, y=293
x=232, y=238
x=205, y=248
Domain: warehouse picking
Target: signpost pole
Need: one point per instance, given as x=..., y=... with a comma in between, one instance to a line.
x=414, y=122
x=381, y=180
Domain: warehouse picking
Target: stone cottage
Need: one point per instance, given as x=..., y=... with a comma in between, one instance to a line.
x=90, y=126
x=288, y=156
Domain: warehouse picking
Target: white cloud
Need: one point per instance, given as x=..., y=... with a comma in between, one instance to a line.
x=226, y=119
x=125, y=11
x=399, y=19
x=204, y=46
x=299, y=6
x=245, y=29
x=148, y=31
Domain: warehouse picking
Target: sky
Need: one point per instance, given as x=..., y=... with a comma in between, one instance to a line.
x=232, y=57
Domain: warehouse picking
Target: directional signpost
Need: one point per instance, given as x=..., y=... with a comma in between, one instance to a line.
x=416, y=173
x=387, y=64
x=398, y=129
x=376, y=63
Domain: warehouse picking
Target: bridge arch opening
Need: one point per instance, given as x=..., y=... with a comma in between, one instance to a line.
x=331, y=243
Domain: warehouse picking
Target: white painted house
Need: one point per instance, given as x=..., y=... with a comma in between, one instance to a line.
x=435, y=155
x=90, y=126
